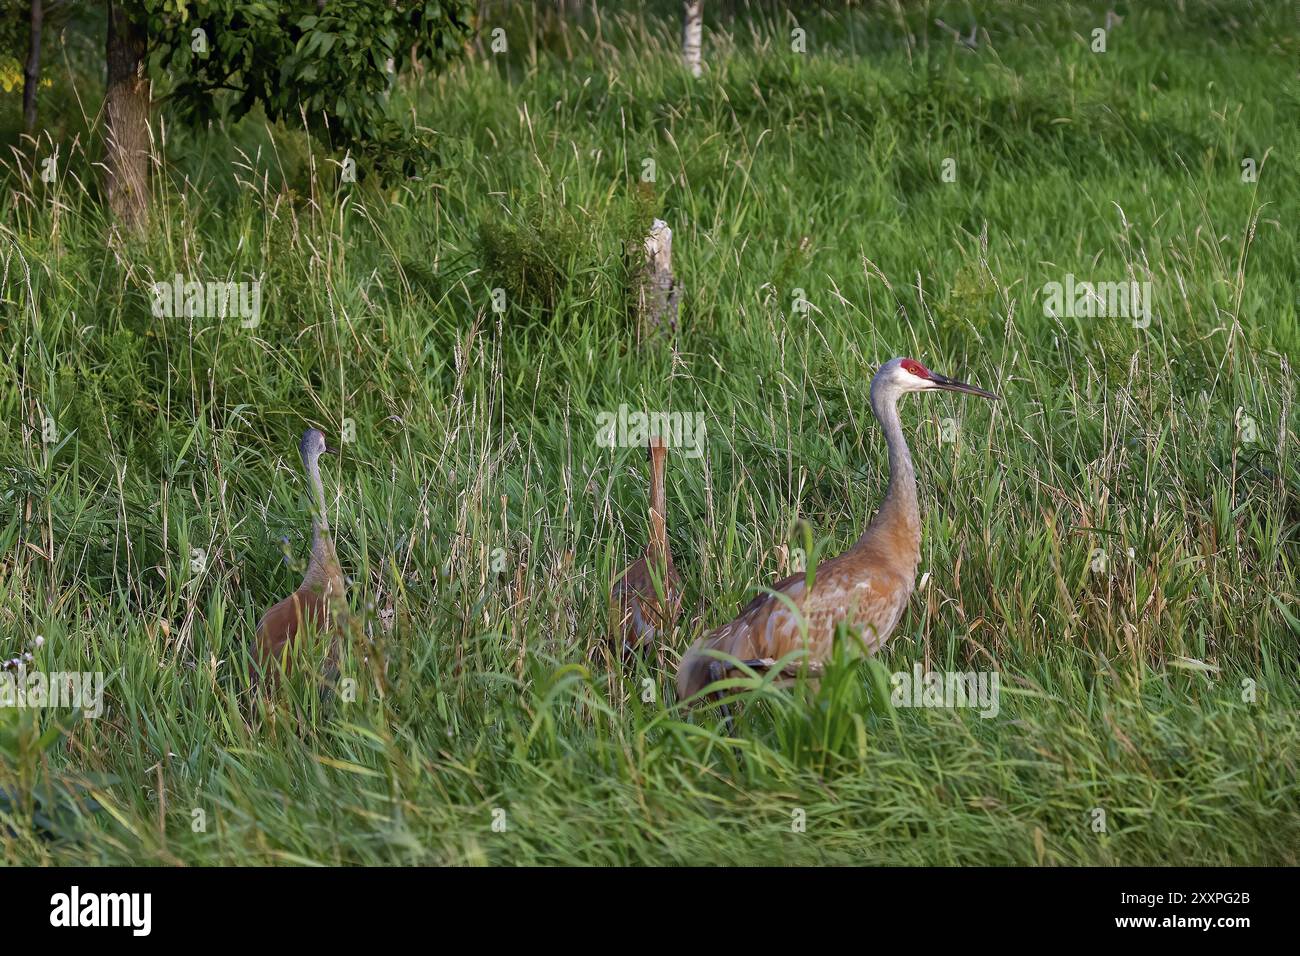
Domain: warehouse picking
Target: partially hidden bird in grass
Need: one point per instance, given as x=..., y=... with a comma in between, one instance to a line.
x=320, y=601
x=646, y=600
x=867, y=587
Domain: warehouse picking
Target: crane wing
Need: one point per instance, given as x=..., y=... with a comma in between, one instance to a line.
x=791, y=616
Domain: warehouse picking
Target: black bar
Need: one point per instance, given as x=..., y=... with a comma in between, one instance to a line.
x=338, y=906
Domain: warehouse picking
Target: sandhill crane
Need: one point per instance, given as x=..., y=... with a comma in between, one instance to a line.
x=647, y=597
x=867, y=586
x=319, y=600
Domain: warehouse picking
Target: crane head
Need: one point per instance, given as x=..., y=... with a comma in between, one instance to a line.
x=313, y=445
x=908, y=375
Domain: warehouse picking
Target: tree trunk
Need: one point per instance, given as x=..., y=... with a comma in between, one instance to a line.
x=32, y=72
x=126, y=105
x=692, y=35
x=659, y=295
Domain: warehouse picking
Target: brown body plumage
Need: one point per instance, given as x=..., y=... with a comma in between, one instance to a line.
x=867, y=587
x=647, y=597
x=319, y=602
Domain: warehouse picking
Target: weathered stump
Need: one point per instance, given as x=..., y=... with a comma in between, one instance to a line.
x=658, y=294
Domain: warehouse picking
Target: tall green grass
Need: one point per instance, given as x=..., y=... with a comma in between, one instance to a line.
x=1117, y=538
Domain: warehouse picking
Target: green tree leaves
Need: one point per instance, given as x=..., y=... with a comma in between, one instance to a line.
x=331, y=65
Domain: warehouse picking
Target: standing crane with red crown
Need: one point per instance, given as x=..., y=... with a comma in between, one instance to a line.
x=867, y=587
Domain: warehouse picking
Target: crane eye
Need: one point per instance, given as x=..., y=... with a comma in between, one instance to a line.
x=915, y=368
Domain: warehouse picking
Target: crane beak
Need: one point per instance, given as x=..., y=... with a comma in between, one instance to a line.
x=331, y=450
x=952, y=385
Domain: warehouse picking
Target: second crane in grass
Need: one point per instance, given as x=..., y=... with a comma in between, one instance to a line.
x=647, y=597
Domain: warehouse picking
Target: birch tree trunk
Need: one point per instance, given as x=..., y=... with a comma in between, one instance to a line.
x=692, y=35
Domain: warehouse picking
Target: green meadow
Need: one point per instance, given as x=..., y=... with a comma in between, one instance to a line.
x=1117, y=539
